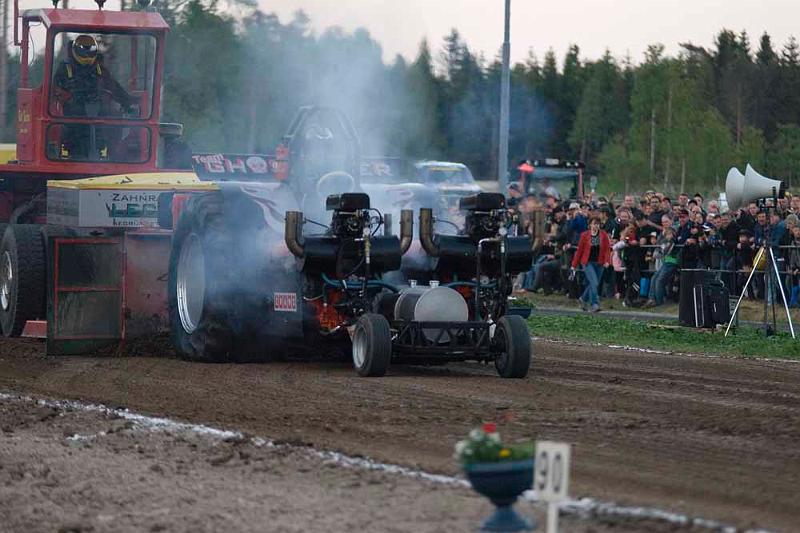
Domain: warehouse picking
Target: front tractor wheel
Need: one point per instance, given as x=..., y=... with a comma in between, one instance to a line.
x=23, y=277
x=372, y=345
x=198, y=271
x=513, y=342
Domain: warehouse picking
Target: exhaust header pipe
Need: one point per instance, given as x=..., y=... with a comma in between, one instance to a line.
x=426, y=232
x=406, y=230
x=292, y=233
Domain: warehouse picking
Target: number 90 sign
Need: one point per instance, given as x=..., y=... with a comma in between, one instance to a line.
x=551, y=476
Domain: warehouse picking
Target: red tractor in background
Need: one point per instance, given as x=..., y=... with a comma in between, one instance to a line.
x=54, y=142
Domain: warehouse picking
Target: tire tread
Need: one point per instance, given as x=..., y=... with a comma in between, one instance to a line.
x=212, y=341
x=379, y=343
x=29, y=303
x=518, y=347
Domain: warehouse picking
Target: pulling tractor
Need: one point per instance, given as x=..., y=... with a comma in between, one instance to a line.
x=114, y=239
x=460, y=315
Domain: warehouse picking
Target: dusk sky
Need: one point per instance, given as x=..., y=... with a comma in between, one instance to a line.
x=623, y=26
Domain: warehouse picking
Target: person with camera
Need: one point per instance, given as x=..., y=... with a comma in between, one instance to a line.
x=544, y=272
x=631, y=253
x=692, y=253
x=712, y=253
x=743, y=260
x=747, y=217
x=672, y=258
x=544, y=275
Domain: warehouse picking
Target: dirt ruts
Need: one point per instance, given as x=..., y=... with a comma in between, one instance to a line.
x=714, y=437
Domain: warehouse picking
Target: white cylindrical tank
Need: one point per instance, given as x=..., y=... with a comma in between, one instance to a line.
x=436, y=304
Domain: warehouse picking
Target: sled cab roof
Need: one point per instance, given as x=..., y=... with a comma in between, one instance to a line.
x=93, y=20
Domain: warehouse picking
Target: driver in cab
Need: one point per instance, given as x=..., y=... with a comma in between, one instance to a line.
x=81, y=81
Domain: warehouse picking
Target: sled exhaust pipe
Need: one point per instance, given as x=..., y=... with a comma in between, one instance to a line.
x=426, y=232
x=406, y=229
x=292, y=233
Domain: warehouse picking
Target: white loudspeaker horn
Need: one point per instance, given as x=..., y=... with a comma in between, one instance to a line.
x=757, y=186
x=733, y=188
x=741, y=189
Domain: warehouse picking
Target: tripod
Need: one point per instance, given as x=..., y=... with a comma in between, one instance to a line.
x=771, y=276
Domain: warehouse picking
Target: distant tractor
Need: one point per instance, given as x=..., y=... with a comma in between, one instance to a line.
x=553, y=177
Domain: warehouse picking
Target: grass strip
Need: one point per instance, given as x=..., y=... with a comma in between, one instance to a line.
x=750, y=310
x=745, y=342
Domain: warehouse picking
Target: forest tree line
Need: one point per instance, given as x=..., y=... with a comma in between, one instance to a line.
x=672, y=122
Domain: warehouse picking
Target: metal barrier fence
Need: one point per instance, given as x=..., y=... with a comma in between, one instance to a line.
x=725, y=259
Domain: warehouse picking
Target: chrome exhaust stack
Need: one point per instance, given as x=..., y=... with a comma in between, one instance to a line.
x=293, y=232
x=426, y=232
x=406, y=230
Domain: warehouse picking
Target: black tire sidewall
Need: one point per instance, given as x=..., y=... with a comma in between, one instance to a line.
x=7, y=317
x=378, y=338
x=27, y=300
x=211, y=341
x=517, y=344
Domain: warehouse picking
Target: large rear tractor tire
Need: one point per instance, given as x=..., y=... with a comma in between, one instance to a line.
x=372, y=345
x=23, y=277
x=199, y=270
x=513, y=340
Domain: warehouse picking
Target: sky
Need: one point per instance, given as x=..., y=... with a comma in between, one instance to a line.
x=625, y=27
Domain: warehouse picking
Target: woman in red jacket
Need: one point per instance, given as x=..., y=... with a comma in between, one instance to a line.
x=594, y=254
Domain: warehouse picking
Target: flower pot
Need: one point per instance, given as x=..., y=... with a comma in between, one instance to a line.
x=502, y=483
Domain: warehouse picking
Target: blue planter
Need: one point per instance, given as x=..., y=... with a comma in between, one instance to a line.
x=524, y=312
x=502, y=483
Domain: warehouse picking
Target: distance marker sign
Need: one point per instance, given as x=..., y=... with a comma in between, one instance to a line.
x=551, y=476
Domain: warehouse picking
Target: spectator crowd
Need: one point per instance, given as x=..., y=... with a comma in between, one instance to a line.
x=632, y=250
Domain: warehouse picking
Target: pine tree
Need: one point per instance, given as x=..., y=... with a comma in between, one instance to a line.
x=783, y=154
x=603, y=110
x=790, y=56
x=766, y=87
x=569, y=98
x=788, y=86
x=424, y=119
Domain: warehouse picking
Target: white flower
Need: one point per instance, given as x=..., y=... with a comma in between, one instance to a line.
x=476, y=434
x=495, y=437
x=461, y=446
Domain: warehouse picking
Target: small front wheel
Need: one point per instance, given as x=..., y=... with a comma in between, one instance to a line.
x=372, y=345
x=513, y=342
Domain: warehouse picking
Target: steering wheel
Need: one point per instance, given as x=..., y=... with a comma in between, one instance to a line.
x=335, y=182
x=105, y=99
x=88, y=95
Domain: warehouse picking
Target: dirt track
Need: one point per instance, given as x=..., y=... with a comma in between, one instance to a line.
x=702, y=436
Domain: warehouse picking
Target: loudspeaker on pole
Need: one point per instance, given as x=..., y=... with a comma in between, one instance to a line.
x=741, y=189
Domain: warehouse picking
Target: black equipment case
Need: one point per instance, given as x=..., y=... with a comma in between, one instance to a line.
x=704, y=300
